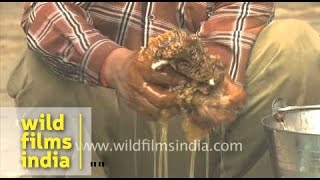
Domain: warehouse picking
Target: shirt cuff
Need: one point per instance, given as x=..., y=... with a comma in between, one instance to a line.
x=94, y=61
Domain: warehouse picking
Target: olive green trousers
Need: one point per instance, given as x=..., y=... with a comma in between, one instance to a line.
x=285, y=62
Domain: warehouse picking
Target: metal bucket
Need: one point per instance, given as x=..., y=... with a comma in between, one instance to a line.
x=294, y=139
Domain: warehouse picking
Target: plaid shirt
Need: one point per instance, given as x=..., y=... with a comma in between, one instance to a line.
x=74, y=39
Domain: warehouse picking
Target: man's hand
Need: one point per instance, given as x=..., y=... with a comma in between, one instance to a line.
x=225, y=112
x=142, y=88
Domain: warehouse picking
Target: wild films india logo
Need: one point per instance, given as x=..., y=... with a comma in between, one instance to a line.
x=50, y=141
x=33, y=138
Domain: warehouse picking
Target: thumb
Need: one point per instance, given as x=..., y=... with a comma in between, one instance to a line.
x=235, y=93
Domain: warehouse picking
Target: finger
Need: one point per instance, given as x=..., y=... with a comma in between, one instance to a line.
x=135, y=101
x=140, y=104
x=166, y=77
x=158, y=96
x=235, y=93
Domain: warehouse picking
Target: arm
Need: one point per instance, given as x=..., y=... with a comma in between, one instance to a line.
x=63, y=34
x=231, y=31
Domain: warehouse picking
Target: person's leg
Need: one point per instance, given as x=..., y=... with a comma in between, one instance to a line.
x=32, y=84
x=285, y=62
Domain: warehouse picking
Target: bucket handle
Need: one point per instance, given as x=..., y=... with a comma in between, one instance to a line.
x=279, y=107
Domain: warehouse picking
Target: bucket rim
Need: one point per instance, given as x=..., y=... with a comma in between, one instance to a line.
x=281, y=130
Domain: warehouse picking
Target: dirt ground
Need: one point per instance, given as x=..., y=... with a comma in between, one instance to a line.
x=12, y=41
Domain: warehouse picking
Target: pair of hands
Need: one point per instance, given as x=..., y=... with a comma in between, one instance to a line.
x=147, y=90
